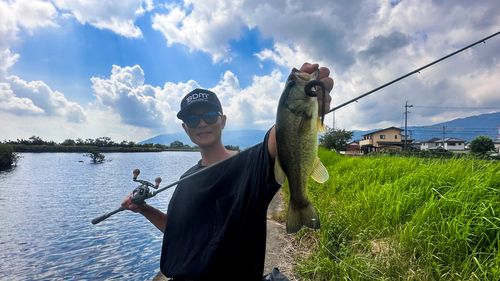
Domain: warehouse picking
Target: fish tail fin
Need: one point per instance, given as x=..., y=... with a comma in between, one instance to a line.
x=305, y=216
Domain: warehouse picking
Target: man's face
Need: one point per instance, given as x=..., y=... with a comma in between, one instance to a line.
x=205, y=135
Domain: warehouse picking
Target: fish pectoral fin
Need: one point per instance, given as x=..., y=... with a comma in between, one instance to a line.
x=321, y=127
x=319, y=173
x=279, y=174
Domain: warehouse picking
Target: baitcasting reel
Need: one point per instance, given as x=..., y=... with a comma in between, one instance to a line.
x=139, y=194
x=142, y=192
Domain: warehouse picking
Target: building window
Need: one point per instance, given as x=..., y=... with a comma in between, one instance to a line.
x=382, y=137
x=396, y=137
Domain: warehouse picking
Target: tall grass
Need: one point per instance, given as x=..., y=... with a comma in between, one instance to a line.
x=405, y=218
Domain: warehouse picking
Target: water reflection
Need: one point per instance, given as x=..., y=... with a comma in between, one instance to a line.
x=49, y=199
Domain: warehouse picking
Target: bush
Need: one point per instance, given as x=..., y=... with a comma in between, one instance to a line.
x=7, y=156
x=335, y=139
x=95, y=156
x=481, y=145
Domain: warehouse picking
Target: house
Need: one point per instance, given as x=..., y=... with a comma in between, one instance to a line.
x=417, y=145
x=452, y=144
x=353, y=148
x=430, y=144
x=497, y=145
x=388, y=139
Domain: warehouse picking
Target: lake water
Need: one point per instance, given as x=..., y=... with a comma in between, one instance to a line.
x=48, y=201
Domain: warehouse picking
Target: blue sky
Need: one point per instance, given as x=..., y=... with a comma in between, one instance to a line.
x=85, y=69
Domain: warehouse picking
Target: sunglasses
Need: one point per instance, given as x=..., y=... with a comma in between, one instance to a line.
x=192, y=121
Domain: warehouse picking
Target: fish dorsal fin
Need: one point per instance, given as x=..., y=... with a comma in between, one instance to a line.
x=319, y=173
x=321, y=127
x=279, y=174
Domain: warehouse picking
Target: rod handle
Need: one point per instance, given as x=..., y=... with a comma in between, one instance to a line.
x=105, y=216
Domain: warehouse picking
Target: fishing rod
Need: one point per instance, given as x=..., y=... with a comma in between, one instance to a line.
x=142, y=192
x=413, y=72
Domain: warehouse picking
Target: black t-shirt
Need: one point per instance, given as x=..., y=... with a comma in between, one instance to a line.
x=216, y=221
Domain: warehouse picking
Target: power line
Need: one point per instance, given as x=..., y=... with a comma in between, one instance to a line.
x=454, y=107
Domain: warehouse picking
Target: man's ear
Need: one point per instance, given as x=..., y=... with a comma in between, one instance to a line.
x=223, y=119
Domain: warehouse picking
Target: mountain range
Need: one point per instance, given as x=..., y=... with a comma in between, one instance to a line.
x=241, y=138
x=466, y=129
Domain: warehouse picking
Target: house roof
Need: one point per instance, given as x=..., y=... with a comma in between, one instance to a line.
x=432, y=140
x=453, y=140
x=383, y=130
x=496, y=141
x=447, y=140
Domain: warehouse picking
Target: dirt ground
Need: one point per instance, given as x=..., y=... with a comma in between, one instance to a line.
x=279, y=248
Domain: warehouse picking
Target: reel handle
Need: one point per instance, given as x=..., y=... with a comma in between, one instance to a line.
x=136, y=173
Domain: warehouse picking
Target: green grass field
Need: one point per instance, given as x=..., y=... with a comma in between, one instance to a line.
x=404, y=218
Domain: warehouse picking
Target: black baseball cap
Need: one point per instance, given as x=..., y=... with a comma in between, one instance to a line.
x=199, y=98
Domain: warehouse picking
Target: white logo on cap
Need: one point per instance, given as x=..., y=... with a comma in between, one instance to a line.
x=197, y=97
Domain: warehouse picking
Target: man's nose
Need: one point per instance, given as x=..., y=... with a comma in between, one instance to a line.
x=202, y=123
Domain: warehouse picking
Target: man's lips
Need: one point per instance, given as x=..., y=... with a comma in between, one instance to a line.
x=203, y=133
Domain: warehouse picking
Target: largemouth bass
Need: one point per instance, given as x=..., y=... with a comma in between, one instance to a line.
x=297, y=128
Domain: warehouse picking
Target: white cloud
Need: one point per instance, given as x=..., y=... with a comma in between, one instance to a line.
x=135, y=103
x=253, y=107
x=33, y=14
x=125, y=93
x=117, y=16
x=99, y=123
x=209, y=26
x=22, y=13
x=20, y=106
x=36, y=98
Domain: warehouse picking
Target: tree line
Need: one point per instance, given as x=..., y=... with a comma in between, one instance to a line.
x=37, y=144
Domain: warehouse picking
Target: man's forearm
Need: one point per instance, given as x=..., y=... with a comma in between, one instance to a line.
x=155, y=216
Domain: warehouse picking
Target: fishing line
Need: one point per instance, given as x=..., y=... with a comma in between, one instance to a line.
x=413, y=72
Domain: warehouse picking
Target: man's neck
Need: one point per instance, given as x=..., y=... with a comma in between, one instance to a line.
x=214, y=154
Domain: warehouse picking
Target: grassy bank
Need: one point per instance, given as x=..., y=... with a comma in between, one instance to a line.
x=395, y=218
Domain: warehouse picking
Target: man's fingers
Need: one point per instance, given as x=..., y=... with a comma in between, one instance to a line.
x=323, y=76
x=323, y=73
x=328, y=81
x=309, y=68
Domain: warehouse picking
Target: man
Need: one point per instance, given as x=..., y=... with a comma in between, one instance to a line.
x=216, y=223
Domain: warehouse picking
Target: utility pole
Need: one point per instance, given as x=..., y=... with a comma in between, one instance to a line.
x=406, y=123
x=333, y=123
x=444, y=130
